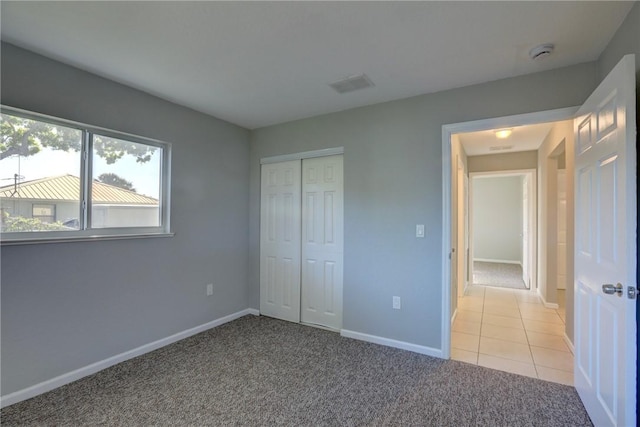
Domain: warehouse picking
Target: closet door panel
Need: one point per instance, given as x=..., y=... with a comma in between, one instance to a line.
x=322, y=241
x=280, y=217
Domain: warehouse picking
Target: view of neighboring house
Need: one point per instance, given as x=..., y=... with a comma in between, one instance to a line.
x=56, y=199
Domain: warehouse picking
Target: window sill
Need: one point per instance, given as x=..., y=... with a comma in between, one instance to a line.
x=41, y=240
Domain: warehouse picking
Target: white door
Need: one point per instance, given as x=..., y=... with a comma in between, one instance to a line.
x=456, y=292
x=526, y=274
x=280, y=241
x=605, y=325
x=466, y=231
x=460, y=212
x=322, y=241
x=562, y=229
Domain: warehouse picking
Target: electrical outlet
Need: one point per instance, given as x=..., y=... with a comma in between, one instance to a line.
x=210, y=289
x=396, y=303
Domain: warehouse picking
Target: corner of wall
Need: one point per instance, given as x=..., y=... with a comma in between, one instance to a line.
x=626, y=40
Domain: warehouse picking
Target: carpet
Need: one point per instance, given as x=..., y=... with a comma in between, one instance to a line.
x=258, y=371
x=498, y=274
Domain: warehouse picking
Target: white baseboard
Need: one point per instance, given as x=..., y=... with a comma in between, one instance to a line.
x=569, y=343
x=501, y=261
x=453, y=318
x=429, y=351
x=547, y=304
x=59, y=381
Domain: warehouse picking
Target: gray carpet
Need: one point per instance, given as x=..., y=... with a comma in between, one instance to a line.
x=258, y=371
x=498, y=274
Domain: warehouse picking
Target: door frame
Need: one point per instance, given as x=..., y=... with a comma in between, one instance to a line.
x=551, y=214
x=532, y=207
x=472, y=126
x=302, y=155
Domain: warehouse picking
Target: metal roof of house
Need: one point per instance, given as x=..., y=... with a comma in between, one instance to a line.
x=67, y=187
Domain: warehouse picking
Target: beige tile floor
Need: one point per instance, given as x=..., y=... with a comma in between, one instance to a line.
x=511, y=330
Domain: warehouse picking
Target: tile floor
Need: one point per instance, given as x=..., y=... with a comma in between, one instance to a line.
x=511, y=330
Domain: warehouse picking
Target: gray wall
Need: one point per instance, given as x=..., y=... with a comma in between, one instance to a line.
x=393, y=181
x=503, y=162
x=68, y=305
x=625, y=41
x=497, y=218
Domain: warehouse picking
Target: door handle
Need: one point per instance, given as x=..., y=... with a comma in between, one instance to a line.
x=610, y=289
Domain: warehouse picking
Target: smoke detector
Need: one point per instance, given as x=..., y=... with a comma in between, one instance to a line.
x=541, y=51
x=351, y=83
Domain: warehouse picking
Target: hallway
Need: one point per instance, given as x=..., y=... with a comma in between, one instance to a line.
x=510, y=330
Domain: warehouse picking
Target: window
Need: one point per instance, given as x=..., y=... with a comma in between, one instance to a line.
x=37, y=161
x=44, y=213
x=126, y=189
x=63, y=180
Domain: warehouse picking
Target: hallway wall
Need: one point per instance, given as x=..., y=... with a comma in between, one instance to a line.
x=548, y=157
x=458, y=270
x=496, y=211
x=503, y=162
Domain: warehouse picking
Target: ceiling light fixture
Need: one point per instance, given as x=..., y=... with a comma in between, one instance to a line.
x=503, y=133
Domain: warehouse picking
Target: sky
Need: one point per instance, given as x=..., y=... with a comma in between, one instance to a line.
x=48, y=163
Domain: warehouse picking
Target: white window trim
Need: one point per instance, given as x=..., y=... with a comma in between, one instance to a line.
x=95, y=234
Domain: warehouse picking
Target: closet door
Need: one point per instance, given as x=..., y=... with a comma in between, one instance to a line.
x=322, y=241
x=280, y=241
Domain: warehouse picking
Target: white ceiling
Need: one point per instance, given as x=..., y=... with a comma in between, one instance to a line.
x=522, y=138
x=262, y=63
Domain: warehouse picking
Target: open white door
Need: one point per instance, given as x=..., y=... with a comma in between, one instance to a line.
x=562, y=230
x=525, y=232
x=605, y=256
x=466, y=232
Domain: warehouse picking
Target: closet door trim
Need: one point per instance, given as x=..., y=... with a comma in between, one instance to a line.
x=303, y=155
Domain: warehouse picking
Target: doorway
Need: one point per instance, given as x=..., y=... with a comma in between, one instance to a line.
x=497, y=327
x=502, y=229
x=603, y=149
x=558, y=219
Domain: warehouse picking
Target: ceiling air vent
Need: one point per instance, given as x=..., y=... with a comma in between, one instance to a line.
x=352, y=83
x=500, y=147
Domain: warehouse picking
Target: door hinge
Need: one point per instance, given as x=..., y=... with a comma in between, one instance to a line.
x=632, y=292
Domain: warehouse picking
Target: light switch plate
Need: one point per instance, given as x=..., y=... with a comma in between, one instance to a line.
x=420, y=230
x=396, y=303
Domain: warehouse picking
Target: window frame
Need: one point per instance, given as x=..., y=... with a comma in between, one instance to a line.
x=52, y=206
x=85, y=232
